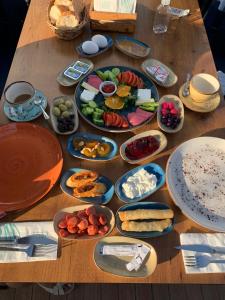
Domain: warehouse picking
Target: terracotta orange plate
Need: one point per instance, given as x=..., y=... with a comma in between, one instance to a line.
x=31, y=162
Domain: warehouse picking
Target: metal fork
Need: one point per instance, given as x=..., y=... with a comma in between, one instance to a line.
x=201, y=261
x=30, y=249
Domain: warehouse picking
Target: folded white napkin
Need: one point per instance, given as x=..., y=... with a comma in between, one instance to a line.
x=115, y=6
x=209, y=239
x=22, y=229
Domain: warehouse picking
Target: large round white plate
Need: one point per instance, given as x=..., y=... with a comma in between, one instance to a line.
x=195, y=176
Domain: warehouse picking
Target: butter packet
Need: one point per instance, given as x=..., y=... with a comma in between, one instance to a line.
x=158, y=72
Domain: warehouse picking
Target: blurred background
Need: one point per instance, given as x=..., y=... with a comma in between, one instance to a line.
x=13, y=13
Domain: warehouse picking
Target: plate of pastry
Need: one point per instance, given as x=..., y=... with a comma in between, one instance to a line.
x=87, y=186
x=145, y=220
x=91, y=147
x=116, y=99
x=139, y=183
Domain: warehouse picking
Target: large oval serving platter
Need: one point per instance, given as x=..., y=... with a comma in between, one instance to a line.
x=90, y=136
x=155, y=133
x=104, y=199
x=100, y=99
x=99, y=209
x=116, y=265
x=195, y=176
x=72, y=110
x=178, y=105
x=144, y=234
x=151, y=168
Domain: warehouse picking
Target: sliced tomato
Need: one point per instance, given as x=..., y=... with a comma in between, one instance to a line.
x=125, y=123
x=126, y=76
x=131, y=75
x=117, y=121
x=108, y=119
x=134, y=81
x=119, y=77
x=114, y=118
x=123, y=75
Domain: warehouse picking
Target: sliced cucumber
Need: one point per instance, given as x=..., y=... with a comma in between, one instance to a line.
x=92, y=104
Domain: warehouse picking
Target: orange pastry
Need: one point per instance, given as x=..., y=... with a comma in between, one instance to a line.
x=81, y=178
x=91, y=189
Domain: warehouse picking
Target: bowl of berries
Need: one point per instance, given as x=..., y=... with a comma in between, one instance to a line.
x=170, y=114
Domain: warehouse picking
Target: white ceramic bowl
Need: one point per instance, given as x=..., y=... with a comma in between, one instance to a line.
x=203, y=87
x=102, y=86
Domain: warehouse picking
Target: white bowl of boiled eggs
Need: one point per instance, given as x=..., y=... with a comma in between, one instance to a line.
x=97, y=43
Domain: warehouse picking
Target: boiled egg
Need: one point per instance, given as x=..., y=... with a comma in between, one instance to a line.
x=90, y=47
x=100, y=40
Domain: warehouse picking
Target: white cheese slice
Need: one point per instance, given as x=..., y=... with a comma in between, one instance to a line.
x=87, y=96
x=144, y=94
x=90, y=88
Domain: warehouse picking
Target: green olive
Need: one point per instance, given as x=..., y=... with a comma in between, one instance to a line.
x=57, y=102
x=56, y=111
x=69, y=104
x=62, y=107
x=65, y=114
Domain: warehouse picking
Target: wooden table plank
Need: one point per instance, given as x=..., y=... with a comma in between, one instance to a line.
x=38, y=59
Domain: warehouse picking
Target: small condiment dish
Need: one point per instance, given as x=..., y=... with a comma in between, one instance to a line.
x=178, y=106
x=151, y=168
x=105, y=84
x=158, y=135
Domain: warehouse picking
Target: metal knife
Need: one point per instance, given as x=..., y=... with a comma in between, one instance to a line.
x=29, y=239
x=202, y=248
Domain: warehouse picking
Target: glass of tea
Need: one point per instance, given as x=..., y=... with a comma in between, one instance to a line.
x=20, y=96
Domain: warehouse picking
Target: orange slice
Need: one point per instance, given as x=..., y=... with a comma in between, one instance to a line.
x=114, y=102
x=123, y=90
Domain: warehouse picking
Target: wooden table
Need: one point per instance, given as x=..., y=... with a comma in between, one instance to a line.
x=38, y=59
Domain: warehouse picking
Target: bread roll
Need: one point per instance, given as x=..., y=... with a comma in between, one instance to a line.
x=55, y=13
x=146, y=226
x=141, y=214
x=67, y=22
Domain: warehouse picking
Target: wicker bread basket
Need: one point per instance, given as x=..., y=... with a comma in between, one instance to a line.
x=69, y=34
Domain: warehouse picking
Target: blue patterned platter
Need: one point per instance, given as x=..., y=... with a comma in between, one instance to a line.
x=26, y=115
x=132, y=47
x=151, y=168
x=143, y=234
x=99, y=99
x=102, y=200
x=102, y=50
x=91, y=137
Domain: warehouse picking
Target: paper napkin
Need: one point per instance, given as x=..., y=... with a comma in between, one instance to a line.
x=209, y=239
x=22, y=229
